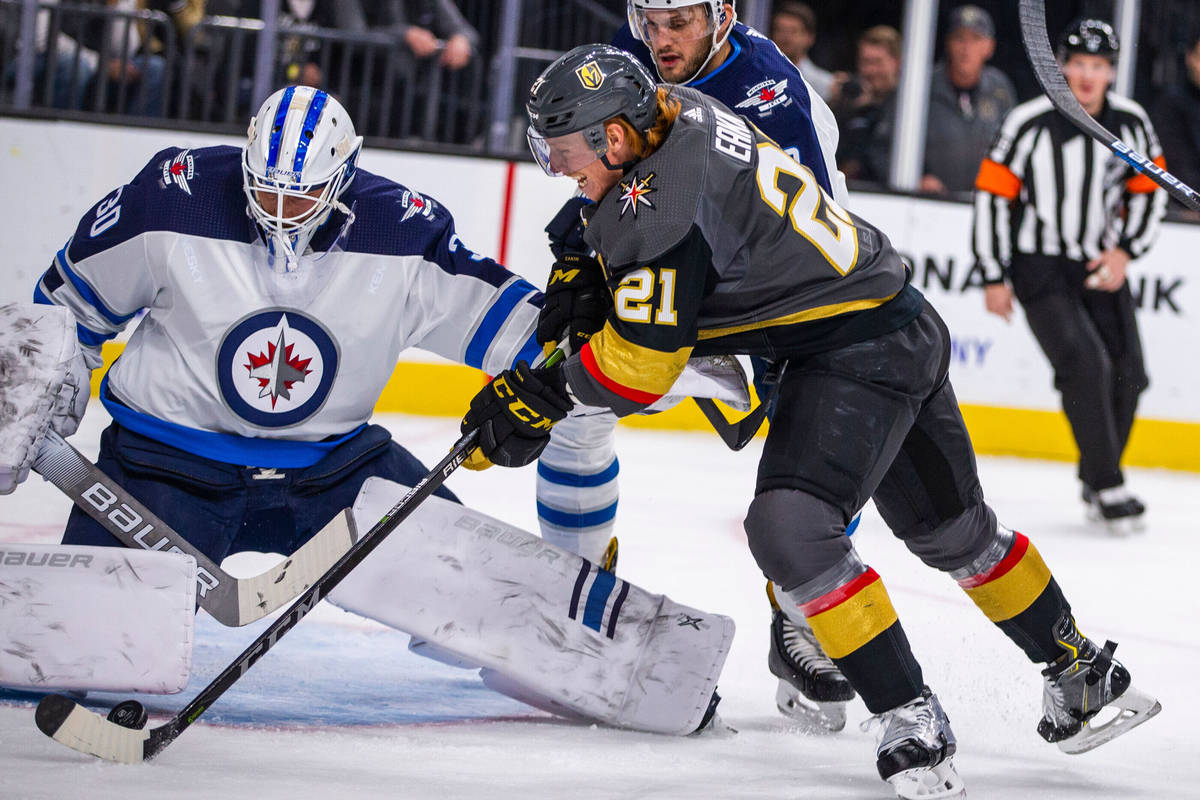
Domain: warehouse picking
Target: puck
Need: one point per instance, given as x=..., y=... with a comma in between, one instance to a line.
x=129, y=714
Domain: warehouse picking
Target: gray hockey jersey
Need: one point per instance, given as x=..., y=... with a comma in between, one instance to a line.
x=720, y=243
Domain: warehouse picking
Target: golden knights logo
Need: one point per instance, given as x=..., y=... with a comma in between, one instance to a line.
x=635, y=193
x=590, y=75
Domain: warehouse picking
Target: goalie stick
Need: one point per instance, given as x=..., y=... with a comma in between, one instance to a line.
x=69, y=723
x=1049, y=75
x=231, y=601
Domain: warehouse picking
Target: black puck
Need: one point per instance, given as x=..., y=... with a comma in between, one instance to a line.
x=129, y=714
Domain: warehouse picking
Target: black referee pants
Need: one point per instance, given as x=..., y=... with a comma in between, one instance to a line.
x=1091, y=340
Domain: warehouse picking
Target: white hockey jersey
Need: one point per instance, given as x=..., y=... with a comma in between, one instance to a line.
x=240, y=364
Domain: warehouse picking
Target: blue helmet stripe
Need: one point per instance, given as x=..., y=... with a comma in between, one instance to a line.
x=310, y=123
x=277, y=127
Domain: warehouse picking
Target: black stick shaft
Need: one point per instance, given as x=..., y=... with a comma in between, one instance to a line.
x=1049, y=75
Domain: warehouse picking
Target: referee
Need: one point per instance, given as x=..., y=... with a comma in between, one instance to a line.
x=1058, y=217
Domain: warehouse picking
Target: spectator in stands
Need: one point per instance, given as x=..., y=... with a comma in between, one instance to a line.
x=866, y=108
x=299, y=55
x=427, y=28
x=794, y=30
x=1176, y=116
x=66, y=62
x=967, y=101
x=130, y=64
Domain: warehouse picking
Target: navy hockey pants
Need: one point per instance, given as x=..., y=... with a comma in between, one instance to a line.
x=224, y=508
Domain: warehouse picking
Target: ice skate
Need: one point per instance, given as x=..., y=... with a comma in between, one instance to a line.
x=914, y=750
x=1116, y=508
x=1086, y=680
x=609, y=560
x=811, y=689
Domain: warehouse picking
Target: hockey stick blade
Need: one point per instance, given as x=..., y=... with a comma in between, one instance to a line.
x=735, y=435
x=1049, y=75
x=68, y=723
x=231, y=601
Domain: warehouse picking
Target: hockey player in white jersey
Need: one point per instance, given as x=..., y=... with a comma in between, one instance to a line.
x=279, y=283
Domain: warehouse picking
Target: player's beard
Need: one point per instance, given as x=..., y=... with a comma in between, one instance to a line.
x=684, y=69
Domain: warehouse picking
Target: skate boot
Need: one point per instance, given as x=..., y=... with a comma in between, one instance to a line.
x=1081, y=683
x=811, y=688
x=1119, y=511
x=914, y=750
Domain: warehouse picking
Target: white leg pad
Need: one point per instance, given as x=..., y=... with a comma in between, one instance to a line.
x=546, y=625
x=96, y=618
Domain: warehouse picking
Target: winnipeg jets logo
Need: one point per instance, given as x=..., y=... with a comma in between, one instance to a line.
x=414, y=204
x=765, y=95
x=179, y=171
x=278, y=369
x=636, y=193
x=275, y=368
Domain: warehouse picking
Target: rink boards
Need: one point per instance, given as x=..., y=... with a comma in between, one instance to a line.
x=1001, y=378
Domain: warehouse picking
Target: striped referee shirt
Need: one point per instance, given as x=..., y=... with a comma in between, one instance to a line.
x=1047, y=188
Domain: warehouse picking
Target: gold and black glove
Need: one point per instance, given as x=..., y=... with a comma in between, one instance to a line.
x=577, y=301
x=514, y=414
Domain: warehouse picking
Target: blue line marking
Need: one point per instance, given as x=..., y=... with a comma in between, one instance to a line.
x=593, y=612
x=567, y=519
x=573, y=479
x=277, y=127
x=310, y=123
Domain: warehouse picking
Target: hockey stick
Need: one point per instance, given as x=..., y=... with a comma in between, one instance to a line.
x=231, y=601
x=737, y=435
x=1049, y=75
x=69, y=723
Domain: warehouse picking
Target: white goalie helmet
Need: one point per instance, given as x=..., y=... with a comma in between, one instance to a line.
x=716, y=30
x=301, y=144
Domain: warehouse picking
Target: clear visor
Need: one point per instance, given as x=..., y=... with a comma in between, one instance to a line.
x=566, y=155
x=686, y=24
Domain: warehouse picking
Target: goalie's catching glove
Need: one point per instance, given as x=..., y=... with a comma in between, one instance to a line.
x=577, y=301
x=514, y=414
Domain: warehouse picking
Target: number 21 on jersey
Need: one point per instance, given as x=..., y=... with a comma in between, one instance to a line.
x=813, y=213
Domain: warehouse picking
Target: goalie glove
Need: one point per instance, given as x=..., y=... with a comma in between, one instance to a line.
x=577, y=301
x=514, y=414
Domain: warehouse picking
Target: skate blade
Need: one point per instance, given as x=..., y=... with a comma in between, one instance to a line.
x=716, y=728
x=1133, y=708
x=929, y=783
x=814, y=717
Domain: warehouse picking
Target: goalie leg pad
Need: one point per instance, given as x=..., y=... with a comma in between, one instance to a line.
x=96, y=618
x=557, y=631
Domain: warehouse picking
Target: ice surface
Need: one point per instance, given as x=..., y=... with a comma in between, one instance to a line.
x=339, y=708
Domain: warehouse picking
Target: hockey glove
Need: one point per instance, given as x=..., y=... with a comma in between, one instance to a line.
x=577, y=301
x=566, y=229
x=514, y=414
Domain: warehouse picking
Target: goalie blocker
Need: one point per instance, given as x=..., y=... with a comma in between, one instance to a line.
x=546, y=626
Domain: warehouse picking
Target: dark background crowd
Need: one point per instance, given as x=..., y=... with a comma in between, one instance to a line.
x=424, y=73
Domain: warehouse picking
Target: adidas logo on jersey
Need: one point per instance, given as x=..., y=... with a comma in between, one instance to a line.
x=696, y=114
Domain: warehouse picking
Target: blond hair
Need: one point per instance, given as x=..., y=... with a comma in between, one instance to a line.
x=668, y=109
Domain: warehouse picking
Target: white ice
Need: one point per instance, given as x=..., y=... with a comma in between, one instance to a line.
x=288, y=729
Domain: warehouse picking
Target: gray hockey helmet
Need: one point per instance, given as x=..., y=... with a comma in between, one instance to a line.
x=579, y=92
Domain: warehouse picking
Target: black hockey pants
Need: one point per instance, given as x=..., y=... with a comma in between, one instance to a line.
x=1091, y=340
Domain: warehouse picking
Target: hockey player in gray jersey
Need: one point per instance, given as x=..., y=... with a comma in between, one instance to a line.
x=713, y=240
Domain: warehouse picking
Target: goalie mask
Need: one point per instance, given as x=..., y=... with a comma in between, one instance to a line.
x=571, y=100
x=300, y=155
x=683, y=21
